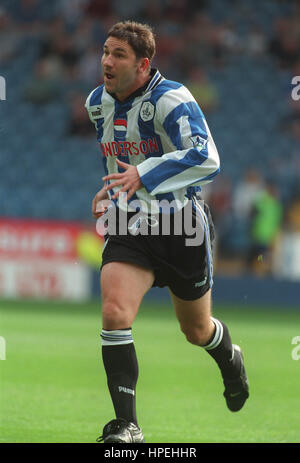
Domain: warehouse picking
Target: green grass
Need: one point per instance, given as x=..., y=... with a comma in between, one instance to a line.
x=53, y=386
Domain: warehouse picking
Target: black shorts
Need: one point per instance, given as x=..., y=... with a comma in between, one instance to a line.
x=186, y=269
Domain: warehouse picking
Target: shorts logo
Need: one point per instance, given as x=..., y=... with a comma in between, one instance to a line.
x=147, y=111
x=198, y=142
x=200, y=283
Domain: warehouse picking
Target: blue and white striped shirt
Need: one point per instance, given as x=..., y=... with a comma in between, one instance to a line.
x=163, y=132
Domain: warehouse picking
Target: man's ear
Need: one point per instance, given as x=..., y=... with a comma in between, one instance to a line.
x=144, y=64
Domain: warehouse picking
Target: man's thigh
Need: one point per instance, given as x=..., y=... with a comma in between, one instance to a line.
x=195, y=313
x=123, y=286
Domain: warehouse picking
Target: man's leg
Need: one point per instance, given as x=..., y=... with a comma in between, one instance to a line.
x=123, y=286
x=201, y=329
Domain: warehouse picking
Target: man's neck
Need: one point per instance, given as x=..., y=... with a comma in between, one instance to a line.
x=137, y=90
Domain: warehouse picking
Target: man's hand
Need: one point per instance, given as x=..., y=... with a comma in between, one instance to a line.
x=98, y=209
x=130, y=180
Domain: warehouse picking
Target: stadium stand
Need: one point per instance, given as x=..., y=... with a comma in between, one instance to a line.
x=50, y=163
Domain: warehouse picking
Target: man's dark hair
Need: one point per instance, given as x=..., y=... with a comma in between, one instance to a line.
x=139, y=36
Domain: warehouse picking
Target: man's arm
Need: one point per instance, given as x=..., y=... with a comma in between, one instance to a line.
x=129, y=179
x=97, y=208
x=195, y=159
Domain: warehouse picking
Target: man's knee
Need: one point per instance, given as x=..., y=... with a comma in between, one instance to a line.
x=198, y=335
x=114, y=315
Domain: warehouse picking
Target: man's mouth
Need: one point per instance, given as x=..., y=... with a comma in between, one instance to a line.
x=108, y=75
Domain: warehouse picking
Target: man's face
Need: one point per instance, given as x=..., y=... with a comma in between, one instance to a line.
x=120, y=67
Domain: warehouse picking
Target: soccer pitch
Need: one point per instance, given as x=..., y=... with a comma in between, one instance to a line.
x=53, y=385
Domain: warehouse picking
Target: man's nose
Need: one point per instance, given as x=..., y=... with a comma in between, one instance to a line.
x=107, y=60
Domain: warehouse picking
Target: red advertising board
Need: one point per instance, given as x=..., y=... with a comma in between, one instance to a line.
x=43, y=239
x=45, y=259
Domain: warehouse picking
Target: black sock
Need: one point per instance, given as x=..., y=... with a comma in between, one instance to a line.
x=221, y=349
x=121, y=366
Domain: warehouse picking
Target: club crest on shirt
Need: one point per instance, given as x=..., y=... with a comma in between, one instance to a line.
x=147, y=111
x=198, y=142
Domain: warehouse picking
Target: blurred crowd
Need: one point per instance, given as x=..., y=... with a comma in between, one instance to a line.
x=68, y=36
